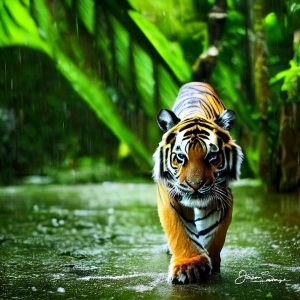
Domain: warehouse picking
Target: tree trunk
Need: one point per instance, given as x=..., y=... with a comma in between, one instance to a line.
x=205, y=63
x=289, y=143
x=262, y=89
x=248, y=44
x=289, y=138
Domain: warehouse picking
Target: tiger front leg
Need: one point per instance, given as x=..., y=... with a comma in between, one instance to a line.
x=189, y=263
x=189, y=270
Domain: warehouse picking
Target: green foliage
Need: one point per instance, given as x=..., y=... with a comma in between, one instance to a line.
x=86, y=170
x=144, y=65
x=274, y=30
x=126, y=60
x=291, y=78
x=293, y=9
x=49, y=39
x=48, y=127
x=231, y=61
x=86, y=12
x=182, y=22
x=17, y=27
x=60, y=34
x=171, y=52
x=231, y=95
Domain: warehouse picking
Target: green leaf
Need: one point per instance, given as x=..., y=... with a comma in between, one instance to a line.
x=144, y=68
x=47, y=38
x=171, y=52
x=229, y=93
x=86, y=11
x=43, y=19
x=21, y=16
x=168, y=89
x=290, y=77
x=121, y=39
x=273, y=28
x=94, y=94
x=18, y=28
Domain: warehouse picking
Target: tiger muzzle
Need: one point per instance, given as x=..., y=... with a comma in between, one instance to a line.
x=195, y=184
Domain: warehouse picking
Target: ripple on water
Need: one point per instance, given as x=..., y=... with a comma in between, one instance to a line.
x=293, y=288
x=122, y=277
x=281, y=267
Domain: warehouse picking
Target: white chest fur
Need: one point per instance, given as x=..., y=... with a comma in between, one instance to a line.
x=202, y=229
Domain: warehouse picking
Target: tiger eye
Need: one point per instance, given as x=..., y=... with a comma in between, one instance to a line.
x=213, y=158
x=180, y=157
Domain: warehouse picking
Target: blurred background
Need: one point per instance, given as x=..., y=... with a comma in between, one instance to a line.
x=82, y=81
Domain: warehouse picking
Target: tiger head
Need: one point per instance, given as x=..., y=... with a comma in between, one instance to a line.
x=196, y=157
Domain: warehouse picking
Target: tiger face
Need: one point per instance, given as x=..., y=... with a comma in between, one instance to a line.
x=196, y=158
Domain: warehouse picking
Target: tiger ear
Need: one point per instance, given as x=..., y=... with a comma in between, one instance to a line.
x=226, y=119
x=166, y=119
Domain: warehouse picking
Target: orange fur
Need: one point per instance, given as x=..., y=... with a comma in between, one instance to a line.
x=194, y=163
x=196, y=170
x=179, y=242
x=185, y=255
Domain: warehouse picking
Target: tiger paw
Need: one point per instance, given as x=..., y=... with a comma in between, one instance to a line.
x=190, y=270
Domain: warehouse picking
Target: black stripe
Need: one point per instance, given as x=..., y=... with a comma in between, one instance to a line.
x=185, y=219
x=176, y=209
x=186, y=138
x=224, y=136
x=209, y=235
x=204, y=132
x=207, y=230
x=197, y=243
x=186, y=127
x=234, y=162
x=211, y=94
x=208, y=109
x=161, y=162
x=191, y=231
x=194, y=131
x=165, y=162
x=204, y=231
x=170, y=137
x=179, y=105
x=223, y=159
x=197, y=131
x=201, y=232
x=227, y=157
x=194, y=122
x=167, y=175
x=220, y=143
x=204, y=137
x=206, y=216
x=206, y=126
x=167, y=153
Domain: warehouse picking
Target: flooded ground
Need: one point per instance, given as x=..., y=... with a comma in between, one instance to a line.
x=105, y=242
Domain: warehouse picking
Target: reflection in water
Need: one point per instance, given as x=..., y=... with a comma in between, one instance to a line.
x=290, y=204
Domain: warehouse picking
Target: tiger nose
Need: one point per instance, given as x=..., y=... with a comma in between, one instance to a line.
x=195, y=184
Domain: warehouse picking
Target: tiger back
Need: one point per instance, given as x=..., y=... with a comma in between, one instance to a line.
x=198, y=98
x=194, y=163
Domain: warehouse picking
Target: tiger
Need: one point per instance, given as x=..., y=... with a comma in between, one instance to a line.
x=193, y=165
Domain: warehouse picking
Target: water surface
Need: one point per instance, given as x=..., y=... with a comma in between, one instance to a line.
x=105, y=242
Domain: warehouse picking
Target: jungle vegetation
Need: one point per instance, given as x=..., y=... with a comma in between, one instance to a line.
x=83, y=80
